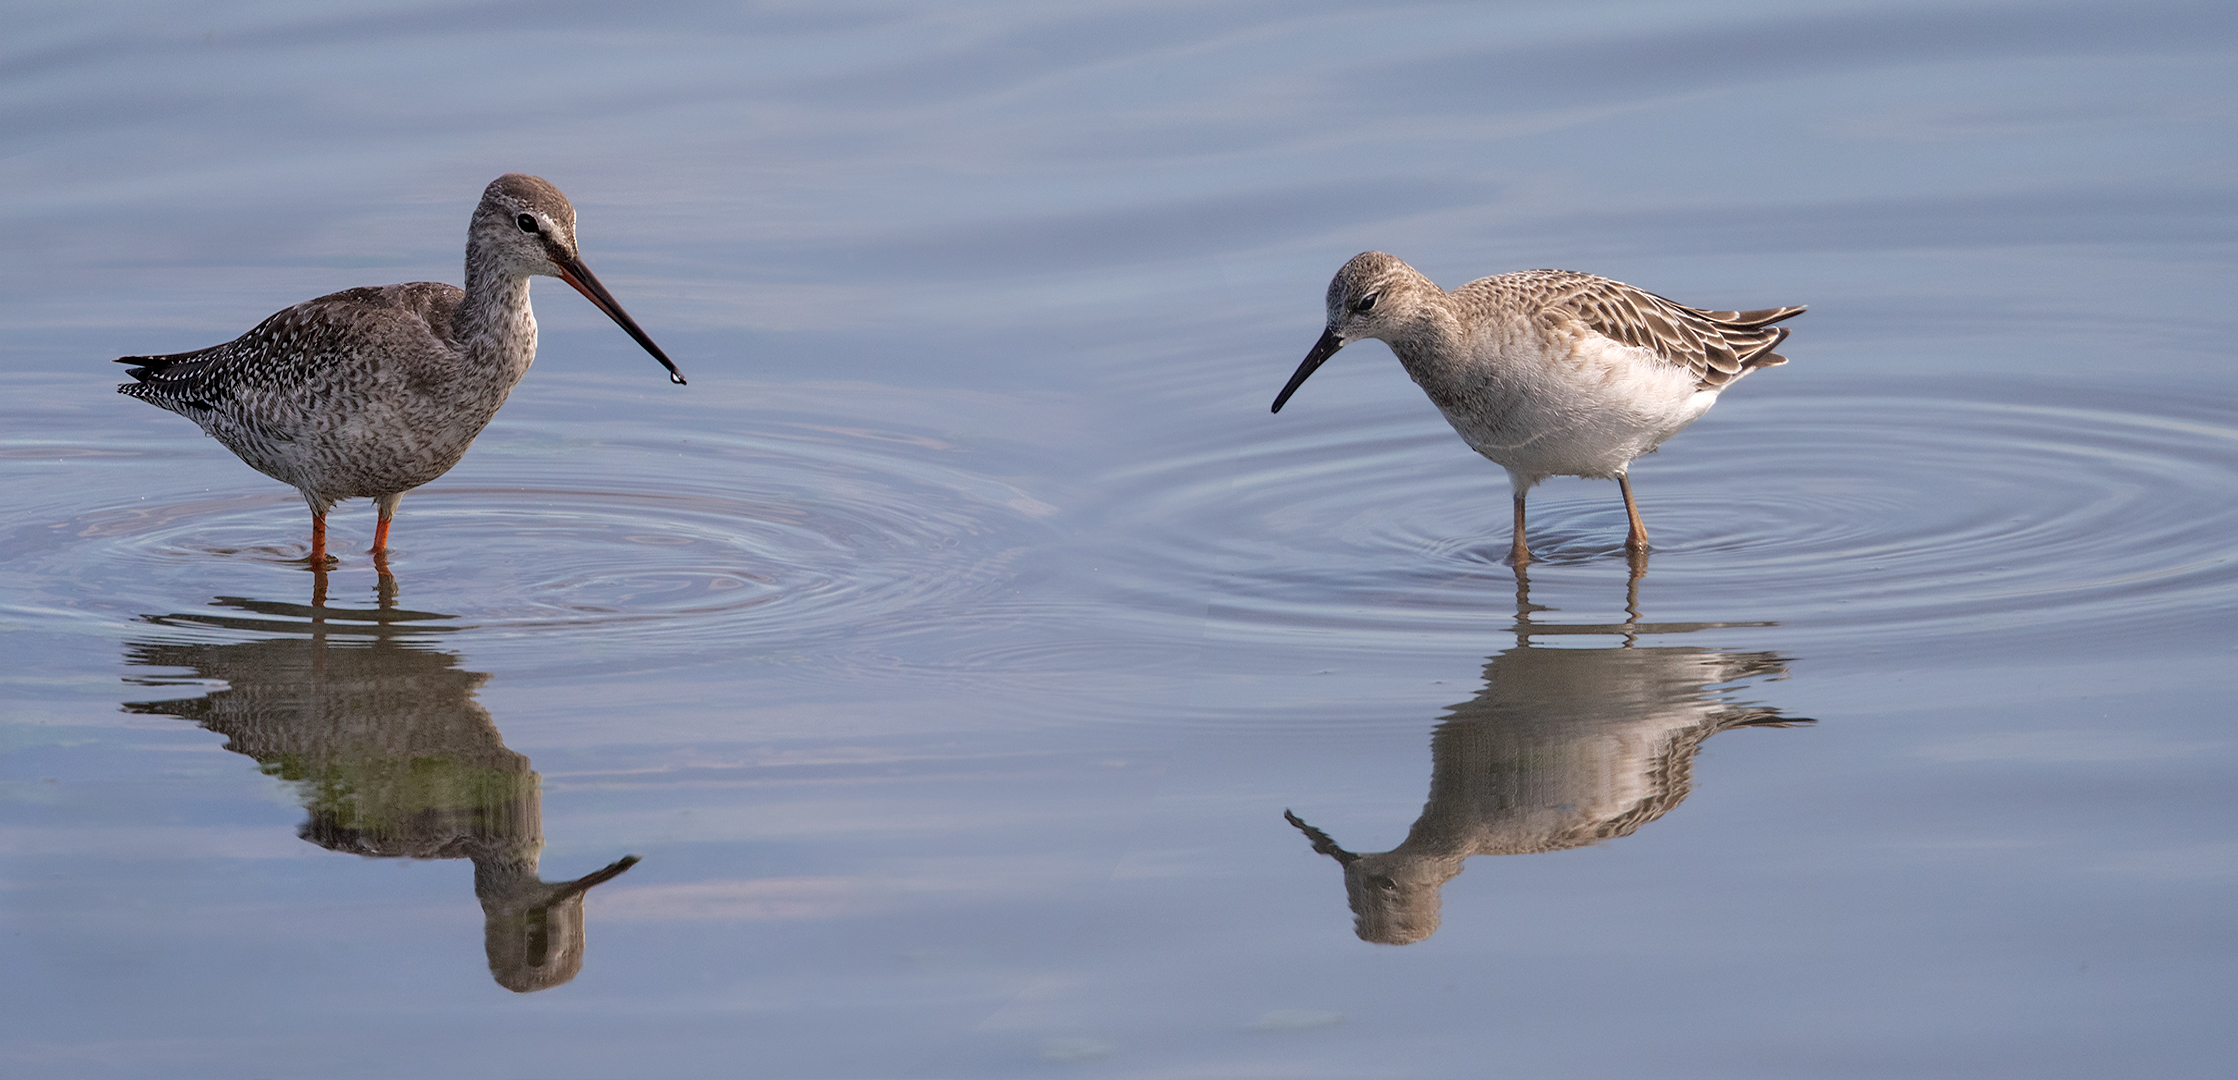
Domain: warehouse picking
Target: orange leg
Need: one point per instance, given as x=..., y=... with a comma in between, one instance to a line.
x=386, y=589
x=386, y=506
x=318, y=540
x=1519, y=554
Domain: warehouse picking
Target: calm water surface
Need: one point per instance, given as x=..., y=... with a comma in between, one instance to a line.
x=951, y=649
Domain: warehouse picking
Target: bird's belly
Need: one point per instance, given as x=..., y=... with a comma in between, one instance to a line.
x=1560, y=424
x=361, y=453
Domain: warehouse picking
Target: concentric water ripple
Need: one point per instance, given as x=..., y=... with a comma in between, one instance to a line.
x=732, y=532
x=1920, y=513
x=1949, y=510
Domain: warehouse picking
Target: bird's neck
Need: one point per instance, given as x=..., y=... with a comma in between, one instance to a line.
x=494, y=326
x=1431, y=345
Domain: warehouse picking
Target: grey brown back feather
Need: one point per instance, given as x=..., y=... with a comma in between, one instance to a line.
x=1716, y=347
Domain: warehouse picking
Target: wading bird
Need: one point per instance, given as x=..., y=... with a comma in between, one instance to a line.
x=1549, y=372
x=371, y=392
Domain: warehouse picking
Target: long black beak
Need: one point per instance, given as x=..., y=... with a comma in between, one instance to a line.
x=1322, y=351
x=1322, y=844
x=573, y=272
x=600, y=876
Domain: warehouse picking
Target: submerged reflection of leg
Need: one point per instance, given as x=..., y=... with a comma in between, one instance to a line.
x=384, y=590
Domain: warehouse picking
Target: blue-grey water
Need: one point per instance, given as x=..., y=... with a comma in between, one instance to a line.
x=951, y=648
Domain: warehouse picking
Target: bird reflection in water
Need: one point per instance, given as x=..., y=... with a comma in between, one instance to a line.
x=389, y=752
x=1564, y=747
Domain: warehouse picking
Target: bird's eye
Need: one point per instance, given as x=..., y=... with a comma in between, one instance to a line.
x=1365, y=304
x=527, y=222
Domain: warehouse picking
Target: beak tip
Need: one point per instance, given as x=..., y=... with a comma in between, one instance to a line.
x=1322, y=351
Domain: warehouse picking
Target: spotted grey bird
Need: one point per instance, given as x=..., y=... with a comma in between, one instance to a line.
x=371, y=392
x=1549, y=372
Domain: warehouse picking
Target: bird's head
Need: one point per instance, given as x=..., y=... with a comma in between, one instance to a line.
x=524, y=227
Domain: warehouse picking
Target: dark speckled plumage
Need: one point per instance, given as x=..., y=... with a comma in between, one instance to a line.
x=371, y=392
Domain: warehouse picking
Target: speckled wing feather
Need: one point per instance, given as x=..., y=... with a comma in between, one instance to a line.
x=288, y=354
x=1717, y=347
x=175, y=381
